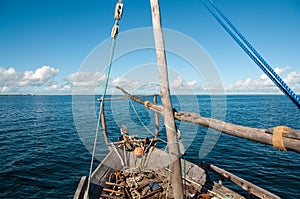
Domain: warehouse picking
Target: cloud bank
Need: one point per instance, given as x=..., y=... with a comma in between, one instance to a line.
x=43, y=81
x=264, y=85
x=11, y=80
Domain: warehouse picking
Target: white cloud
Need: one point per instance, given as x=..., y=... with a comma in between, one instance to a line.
x=264, y=85
x=10, y=79
x=83, y=83
x=180, y=85
x=125, y=83
x=293, y=78
x=85, y=79
x=6, y=89
x=42, y=81
x=132, y=86
x=38, y=77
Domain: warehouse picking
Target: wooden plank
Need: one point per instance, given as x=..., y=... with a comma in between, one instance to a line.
x=194, y=172
x=151, y=193
x=109, y=164
x=248, y=186
x=81, y=188
x=114, y=184
x=221, y=190
x=109, y=196
x=113, y=191
x=202, y=187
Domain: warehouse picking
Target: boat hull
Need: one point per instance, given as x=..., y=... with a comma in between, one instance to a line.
x=195, y=178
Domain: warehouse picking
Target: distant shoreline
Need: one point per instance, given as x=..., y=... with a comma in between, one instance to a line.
x=17, y=95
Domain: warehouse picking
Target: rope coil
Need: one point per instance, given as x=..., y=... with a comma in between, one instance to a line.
x=278, y=133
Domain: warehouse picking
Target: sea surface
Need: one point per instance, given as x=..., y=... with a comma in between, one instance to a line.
x=45, y=140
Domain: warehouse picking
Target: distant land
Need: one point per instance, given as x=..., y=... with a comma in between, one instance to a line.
x=17, y=95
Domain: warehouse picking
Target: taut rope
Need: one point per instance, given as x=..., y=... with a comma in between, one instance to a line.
x=117, y=15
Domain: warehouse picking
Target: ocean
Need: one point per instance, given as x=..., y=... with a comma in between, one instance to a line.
x=45, y=140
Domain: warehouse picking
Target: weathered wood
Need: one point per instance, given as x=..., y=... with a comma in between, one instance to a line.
x=201, y=186
x=295, y=134
x=127, y=193
x=134, y=141
x=151, y=106
x=263, y=136
x=151, y=193
x=109, y=196
x=113, y=191
x=220, y=190
x=248, y=186
x=253, y=134
x=195, y=175
x=156, y=118
x=81, y=188
x=124, y=97
x=176, y=179
x=114, y=184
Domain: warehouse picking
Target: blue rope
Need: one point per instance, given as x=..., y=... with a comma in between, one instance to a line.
x=261, y=62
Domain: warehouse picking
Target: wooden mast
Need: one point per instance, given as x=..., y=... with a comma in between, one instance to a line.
x=176, y=178
x=156, y=117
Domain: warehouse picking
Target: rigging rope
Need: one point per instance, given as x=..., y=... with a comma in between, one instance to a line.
x=114, y=33
x=100, y=111
x=259, y=60
x=141, y=121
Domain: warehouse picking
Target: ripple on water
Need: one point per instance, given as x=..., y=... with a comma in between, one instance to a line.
x=42, y=155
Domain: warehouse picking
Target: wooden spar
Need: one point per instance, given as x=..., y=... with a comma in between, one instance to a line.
x=156, y=117
x=248, y=186
x=291, y=141
x=124, y=97
x=133, y=141
x=176, y=179
x=254, y=134
x=153, y=107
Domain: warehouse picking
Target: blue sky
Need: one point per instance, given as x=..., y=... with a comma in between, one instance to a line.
x=44, y=43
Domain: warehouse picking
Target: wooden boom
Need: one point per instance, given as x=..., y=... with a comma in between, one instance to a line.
x=289, y=138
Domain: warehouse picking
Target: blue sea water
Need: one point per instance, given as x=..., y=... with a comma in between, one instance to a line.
x=43, y=140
